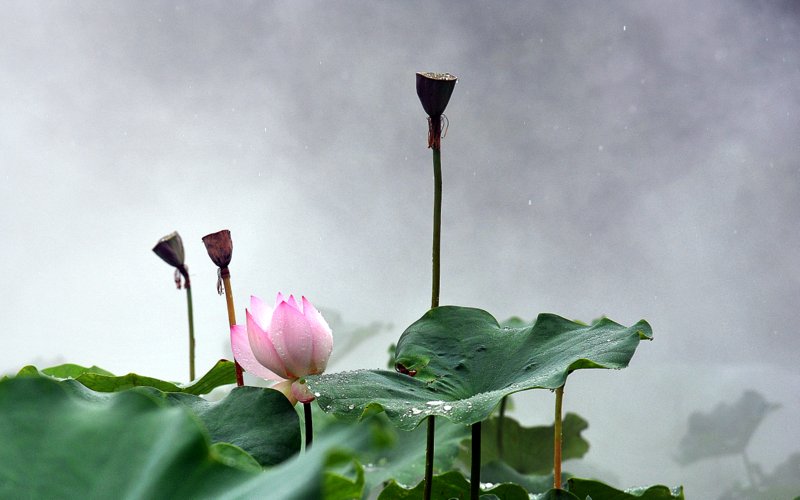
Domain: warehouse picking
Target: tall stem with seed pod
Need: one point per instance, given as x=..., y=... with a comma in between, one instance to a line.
x=170, y=249
x=434, y=91
x=220, y=248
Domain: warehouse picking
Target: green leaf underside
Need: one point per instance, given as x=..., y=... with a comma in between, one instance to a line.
x=601, y=491
x=466, y=362
x=260, y=421
x=97, y=379
x=57, y=444
x=529, y=450
x=60, y=440
x=449, y=485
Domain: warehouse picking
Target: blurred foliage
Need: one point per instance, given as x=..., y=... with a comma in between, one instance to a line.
x=784, y=482
x=725, y=430
x=529, y=450
x=347, y=336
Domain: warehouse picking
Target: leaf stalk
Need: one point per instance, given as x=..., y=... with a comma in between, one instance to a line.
x=191, y=329
x=557, y=439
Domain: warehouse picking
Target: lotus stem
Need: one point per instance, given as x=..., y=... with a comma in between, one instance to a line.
x=191, y=329
x=434, y=91
x=475, y=476
x=437, y=237
x=226, y=282
x=309, y=424
x=500, y=423
x=557, y=439
x=437, y=225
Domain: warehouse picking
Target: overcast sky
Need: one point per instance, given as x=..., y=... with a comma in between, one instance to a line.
x=633, y=159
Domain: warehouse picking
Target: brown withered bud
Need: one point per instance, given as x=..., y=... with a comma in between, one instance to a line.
x=434, y=91
x=219, y=247
x=170, y=249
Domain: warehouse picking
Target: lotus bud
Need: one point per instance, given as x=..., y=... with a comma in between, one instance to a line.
x=284, y=344
x=434, y=91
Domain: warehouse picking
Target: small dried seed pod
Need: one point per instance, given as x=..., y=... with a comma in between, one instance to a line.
x=434, y=91
x=170, y=249
x=219, y=247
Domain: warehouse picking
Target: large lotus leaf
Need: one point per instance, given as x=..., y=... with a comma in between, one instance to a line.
x=452, y=485
x=260, y=421
x=587, y=488
x=465, y=362
x=59, y=445
x=529, y=450
x=97, y=379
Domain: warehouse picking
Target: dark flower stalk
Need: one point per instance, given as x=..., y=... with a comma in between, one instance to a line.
x=220, y=248
x=170, y=249
x=434, y=91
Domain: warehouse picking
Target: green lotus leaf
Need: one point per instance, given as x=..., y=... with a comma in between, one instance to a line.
x=344, y=477
x=464, y=363
x=97, y=379
x=70, y=370
x=61, y=440
x=529, y=450
x=59, y=445
x=260, y=421
x=584, y=488
x=449, y=485
x=500, y=472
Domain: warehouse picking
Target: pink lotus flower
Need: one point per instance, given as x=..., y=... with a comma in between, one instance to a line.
x=284, y=344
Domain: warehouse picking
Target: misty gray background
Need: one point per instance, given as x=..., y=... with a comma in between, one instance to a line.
x=633, y=159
